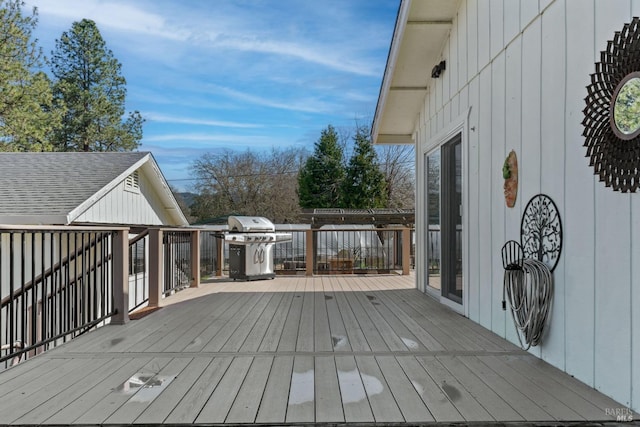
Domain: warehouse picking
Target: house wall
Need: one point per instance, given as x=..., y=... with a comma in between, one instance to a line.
x=516, y=79
x=123, y=206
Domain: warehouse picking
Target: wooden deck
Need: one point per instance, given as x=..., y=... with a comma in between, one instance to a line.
x=328, y=349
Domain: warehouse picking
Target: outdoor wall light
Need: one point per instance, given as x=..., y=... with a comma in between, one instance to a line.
x=438, y=69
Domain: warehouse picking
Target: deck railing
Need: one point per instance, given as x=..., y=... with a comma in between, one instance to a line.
x=55, y=284
x=343, y=250
x=58, y=282
x=138, y=271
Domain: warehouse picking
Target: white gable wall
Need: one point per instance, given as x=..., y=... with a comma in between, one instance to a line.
x=124, y=206
x=516, y=78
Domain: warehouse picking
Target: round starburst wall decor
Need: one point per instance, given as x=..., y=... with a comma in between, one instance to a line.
x=612, y=113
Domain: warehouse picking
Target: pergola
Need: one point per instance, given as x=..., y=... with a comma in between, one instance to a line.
x=378, y=217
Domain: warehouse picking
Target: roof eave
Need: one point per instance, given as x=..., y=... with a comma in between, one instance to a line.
x=34, y=220
x=394, y=49
x=417, y=46
x=169, y=201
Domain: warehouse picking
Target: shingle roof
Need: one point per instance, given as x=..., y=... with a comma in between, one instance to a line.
x=54, y=184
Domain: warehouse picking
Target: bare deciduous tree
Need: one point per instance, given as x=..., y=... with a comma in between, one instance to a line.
x=248, y=183
x=397, y=164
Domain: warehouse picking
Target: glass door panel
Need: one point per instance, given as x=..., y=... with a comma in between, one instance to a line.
x=451, y=211
x=433, y=235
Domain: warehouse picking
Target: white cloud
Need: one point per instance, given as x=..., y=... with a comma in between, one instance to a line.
x=302, y=105
x=329, y=57
x=114, y=15
x=163, y=118
x=217, y=29
x=209, y=138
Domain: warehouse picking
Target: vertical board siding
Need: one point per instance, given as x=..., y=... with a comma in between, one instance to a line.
x=613, y=244
x=634, y=297
x=579, y=243
x=128, y=207
x=473, y=179
x=496, y=200
x=463, y=68
x=472, y=38
x=511, y=20
x=522, y=68
x=552, y=143
x=634, y=294
x=513, y=138
x=484, y=205
x=496, y=27
x=528, y=12
x=529, y=159
x=484, y=33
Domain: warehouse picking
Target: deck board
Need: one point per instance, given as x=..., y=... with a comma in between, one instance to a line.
x=273, y=407
x=484, y=392
x=441, y=408
x=245, y=407
x=407, y=398
x=197, y=396
x=94, y=395
x=163, y=405
x=382, y=401
x=354, y=397
x=301, y=404
x=294, y=350
x=327, y=391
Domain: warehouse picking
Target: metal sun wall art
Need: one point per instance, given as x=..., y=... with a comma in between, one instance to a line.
x=612, y=113
x=541, y=231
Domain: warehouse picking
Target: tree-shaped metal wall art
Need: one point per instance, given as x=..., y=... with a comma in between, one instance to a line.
x=541, y=231
x=612, y=114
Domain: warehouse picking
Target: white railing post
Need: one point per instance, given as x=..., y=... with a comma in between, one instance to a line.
x=121, y=276
x=195, y=258
x=156, y=267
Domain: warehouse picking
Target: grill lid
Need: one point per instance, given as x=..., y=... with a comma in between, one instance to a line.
x=250, y=224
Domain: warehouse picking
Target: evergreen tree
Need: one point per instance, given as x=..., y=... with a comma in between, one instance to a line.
x=92, y=89
x=26, y=115
x=364, y=186
x=321, y=177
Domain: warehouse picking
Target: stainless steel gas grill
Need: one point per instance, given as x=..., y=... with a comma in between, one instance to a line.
x=251, y=240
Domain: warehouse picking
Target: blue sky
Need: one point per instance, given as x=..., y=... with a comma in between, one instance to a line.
x=215, y=74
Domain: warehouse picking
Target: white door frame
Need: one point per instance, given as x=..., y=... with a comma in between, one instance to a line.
x=459, y=125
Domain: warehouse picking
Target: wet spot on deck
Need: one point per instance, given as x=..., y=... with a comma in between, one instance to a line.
x=302, y=387
x=355, y=386
x=451, y=392
x=411, y=344
x=116, y=341
x=339, y=341
x=328, y=297
x=144, y=387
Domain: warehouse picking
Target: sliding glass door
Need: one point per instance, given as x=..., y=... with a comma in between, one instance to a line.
x=443, y=174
